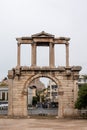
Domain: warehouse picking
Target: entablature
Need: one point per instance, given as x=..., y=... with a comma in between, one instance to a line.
x=42, y=37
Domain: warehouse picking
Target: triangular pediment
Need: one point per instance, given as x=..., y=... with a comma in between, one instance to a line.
x=43, y=34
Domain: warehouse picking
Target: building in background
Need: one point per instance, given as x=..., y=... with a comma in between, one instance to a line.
x=4, y=91
x=82, y=80
x=52, y=91
x=34, y=87
x=31, y=94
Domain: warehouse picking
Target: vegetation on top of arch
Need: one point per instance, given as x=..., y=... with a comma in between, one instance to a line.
x=3, y=84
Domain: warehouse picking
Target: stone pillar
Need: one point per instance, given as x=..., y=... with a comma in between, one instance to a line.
x=33, y=55
x=17, y=100
x=18, y=54
x=67, y=54
x=10, y=97
x=51, y=55
x=75, y=90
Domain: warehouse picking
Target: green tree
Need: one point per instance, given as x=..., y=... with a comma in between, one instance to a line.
x=40, y=95
x=34, y=101
x=82, y=97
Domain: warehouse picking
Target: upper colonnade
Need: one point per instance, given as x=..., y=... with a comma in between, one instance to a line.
x=42, y=39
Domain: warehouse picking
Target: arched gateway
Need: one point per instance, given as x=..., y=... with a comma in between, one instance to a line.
x=64, y=76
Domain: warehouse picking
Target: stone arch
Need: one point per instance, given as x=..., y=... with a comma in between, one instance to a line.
x=21, y=76
x=30, y=79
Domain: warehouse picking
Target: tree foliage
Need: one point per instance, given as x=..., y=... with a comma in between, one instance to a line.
x=34, y=101
x=82, y=97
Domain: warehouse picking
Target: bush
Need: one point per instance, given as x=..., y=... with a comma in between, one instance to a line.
x=34, y=102
x=82, y=97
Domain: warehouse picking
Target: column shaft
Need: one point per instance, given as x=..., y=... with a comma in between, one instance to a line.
x=67, y=55
x=33, y=55
x=51, y=55
x=18, y=54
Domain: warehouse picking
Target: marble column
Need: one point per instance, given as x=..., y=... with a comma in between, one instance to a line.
x=18, y=54
x=51, y=55
x=67, y=54
x=33, y=55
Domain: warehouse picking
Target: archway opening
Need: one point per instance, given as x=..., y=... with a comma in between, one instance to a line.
x=42, y=56
x=42, y=97
x=60, y=55
x=25, y=55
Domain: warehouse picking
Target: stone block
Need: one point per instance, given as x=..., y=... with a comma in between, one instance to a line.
x=10, y=74
x=17, y=71
x=76, y=68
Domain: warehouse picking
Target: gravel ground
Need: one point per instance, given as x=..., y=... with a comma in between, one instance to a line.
x=42, y=124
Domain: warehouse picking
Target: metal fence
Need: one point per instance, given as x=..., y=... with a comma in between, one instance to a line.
x=82, y=113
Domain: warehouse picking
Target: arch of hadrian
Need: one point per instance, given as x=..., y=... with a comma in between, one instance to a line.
x=64, y=76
